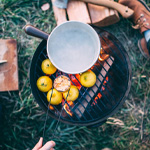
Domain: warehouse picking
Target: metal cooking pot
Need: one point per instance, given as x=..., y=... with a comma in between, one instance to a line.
x=73, y=47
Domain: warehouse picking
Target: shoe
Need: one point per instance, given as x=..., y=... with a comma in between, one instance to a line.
x=144, y=47
x=141, y=16
x=141, y=20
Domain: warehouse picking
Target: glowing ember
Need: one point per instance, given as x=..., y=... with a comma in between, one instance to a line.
x=99, y=95
x=105, y=81
x=51, y=107
x=67, y=105
x=103, y=57
x=67, y=109
x=75, y=80
x=92, y=67
x=70, y=103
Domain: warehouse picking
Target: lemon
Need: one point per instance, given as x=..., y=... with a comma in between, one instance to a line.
x=44, y=83
x=55, y=97
x=88, y=78
x=73, y=93
x=48, y=67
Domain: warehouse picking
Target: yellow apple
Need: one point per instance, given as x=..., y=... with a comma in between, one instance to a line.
x=56, y=98
x=88, y=78
x=48, y=67
x=44, y=83
x=73, y=93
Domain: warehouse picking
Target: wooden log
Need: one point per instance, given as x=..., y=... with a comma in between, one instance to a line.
x=59, y=14
x=102, y=16
x=78, y=11
x=80, y=109
x=8, y=65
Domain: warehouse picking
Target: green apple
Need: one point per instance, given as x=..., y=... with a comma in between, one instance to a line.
x=88, y=78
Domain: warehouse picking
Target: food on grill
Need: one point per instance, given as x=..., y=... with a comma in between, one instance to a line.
x=44, y=83
x=55, y=97
x=62, y=83
x=73, y=93
x=88, y=78
x=48, y=67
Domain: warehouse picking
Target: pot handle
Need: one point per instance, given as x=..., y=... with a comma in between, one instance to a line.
x=30, y=30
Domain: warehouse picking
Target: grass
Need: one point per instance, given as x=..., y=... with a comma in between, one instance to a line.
x=23, y=120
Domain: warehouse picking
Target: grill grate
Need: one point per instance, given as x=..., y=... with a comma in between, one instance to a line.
x=98, y=102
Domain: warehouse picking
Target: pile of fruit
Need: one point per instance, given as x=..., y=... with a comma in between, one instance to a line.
x=71, y=92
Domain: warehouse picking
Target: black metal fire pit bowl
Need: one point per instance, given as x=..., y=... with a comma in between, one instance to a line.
x=94, y=105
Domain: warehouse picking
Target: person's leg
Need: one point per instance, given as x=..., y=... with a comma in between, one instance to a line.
x=147, y=35
x=141, y=20
x=0, y=115
x=1, y=128
x=147, y=38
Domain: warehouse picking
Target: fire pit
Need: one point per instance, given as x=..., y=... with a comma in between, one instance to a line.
x=94, y=105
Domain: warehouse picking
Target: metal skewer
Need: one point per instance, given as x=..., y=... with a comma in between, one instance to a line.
x=58, y=118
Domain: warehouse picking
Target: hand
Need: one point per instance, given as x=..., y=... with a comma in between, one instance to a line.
x=48, y=146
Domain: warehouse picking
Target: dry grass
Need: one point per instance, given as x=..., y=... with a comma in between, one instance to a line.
x=23, y=118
